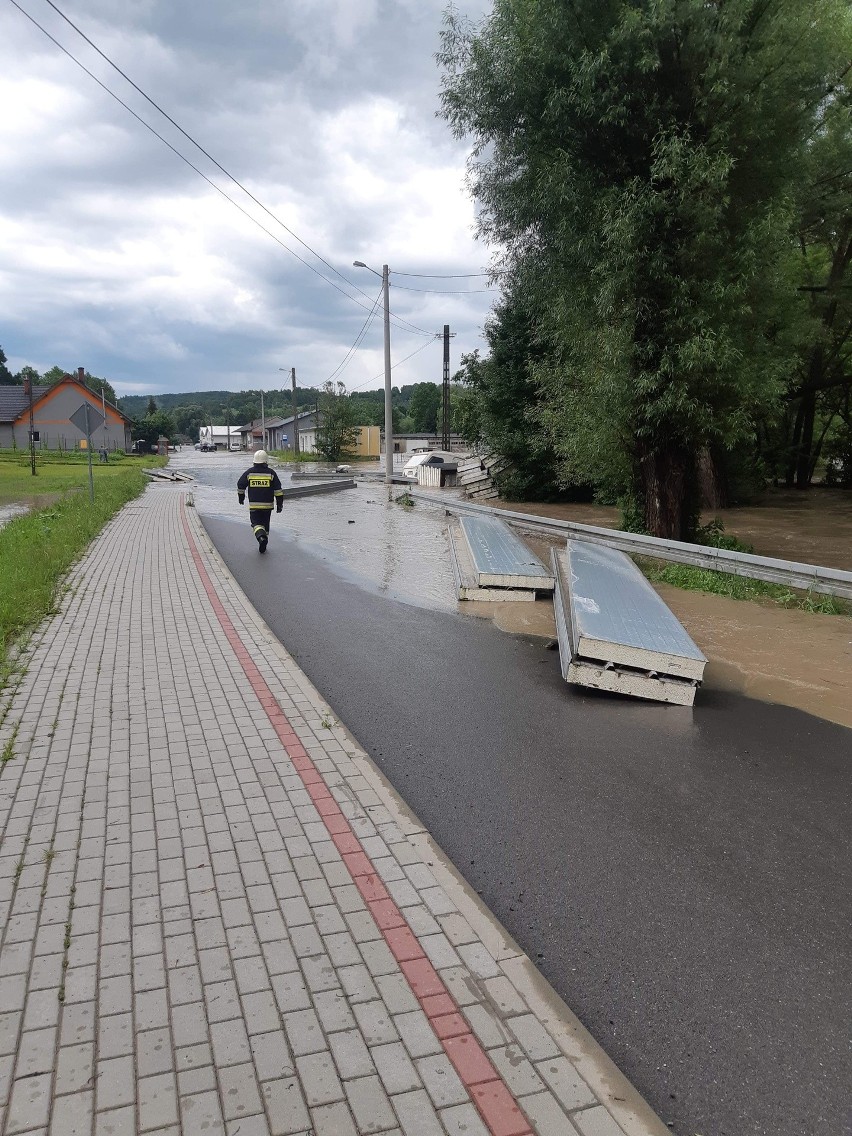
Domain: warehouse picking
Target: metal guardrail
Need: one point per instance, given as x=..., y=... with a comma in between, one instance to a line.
x=806, y=577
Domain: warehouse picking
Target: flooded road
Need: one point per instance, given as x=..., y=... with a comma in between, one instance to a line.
x=794, y=658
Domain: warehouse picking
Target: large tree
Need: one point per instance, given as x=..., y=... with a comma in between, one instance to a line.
x=337, y=432
x=637, y=162
x=423, y=406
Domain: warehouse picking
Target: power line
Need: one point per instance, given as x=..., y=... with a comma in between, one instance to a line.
x=401, y=320
x=440, y=276
x=445, y=291
x=358, y=339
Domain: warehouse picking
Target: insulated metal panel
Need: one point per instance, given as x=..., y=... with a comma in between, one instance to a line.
x=614, y=635
x=467, y=581
x=500, y=558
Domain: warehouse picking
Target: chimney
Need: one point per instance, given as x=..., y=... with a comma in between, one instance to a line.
x=28, y=388
x=81, y=375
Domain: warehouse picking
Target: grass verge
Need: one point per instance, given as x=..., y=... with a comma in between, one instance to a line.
x=739, y=587
x=36, y=550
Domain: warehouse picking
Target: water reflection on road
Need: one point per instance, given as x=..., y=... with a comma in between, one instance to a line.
x=361, y=535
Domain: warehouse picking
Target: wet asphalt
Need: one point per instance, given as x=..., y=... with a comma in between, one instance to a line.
x=681, y=877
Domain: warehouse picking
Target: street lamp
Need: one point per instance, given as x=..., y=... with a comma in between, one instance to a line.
x=388, y=394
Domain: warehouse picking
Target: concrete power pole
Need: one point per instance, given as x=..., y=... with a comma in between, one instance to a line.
x=445, y=420
x=295, y=415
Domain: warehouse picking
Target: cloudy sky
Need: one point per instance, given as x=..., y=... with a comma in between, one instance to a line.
x=116, y=256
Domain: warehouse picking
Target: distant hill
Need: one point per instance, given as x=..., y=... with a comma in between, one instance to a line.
x=215, y=404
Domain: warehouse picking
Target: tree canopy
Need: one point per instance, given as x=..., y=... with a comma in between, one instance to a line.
x=639, y=164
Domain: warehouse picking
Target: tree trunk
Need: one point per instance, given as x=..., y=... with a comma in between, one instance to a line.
x=712, y=482
x=667, y=480
x=803, y=457
x=790, y=475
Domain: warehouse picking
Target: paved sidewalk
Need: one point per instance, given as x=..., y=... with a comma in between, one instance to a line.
x=215, y=916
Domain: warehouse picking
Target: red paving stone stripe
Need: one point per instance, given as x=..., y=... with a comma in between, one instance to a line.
x=493, y=1100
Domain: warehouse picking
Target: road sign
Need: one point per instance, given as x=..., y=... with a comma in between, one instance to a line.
x=87, y=419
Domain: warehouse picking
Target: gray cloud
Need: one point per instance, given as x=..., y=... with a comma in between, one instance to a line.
x=114, y=255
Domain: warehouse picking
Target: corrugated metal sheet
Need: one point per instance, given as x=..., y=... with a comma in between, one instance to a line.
x=500, y=558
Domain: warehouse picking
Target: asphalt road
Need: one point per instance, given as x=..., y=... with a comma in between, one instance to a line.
x=681, y=877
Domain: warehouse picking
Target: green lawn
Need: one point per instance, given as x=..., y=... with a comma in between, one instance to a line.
x=38, y=548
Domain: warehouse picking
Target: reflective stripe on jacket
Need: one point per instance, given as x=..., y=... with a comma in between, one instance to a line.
x=263, y=486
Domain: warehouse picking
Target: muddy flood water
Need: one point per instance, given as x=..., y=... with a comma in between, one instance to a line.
x=795, y=658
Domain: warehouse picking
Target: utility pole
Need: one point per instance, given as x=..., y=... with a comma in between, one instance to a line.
x=445, y=421
x=388, y=391
x=262, y=423
x=32, y=428
x=295, y=415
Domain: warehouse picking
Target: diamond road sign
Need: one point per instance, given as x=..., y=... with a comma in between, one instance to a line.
x=87, y=419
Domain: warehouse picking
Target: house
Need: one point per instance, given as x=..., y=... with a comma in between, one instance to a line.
x=279, y=432
x=52, y=407
x=367, y=444
x=222, y=437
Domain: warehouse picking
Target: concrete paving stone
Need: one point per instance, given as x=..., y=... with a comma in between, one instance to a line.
x=80, y=984
x=235, y=912
x=319, y=973
x=230, y=1043
x=222, y=1001
x=210, y=932
x=157, y=1102
x=417, y=1115
x=306, y=941
x=251, y=974
x=184, y=985
x=336, y=876
x=375, y=1023
x=333, y=1011
x=546, y=1117
x=154, y=1052
x=304, y=1032
x=116, y=902
x=144, y=911
x=440, y=951
x=395, y=1068
x=243, y=942
x=438, y=902
x=441, y=1081
x=488, y=1026
x=389, y=870
x=421, y=920
x=357, y=984
x=272, y=1058
x=13, y=992
x=333, y=1120
x=596, y=1121
x=396, y=993
x=147, y=939
x=74, y=1068
x=270, y=927
x=36, y=1052
x=116, y=1083
x=465, y=988
x=230, y=885
x=29, y=1105
x=189, y=1024
x=286, y=1110
x=519, y=1075
x=370, y=1105
x=362, y=926
x=15, y=959
x=149, y=972
x=240, y=1093
x=202, y=1112
x=564, y=1080
x=533, y=1038
x=502, y=994
x=463, y=1120
x=261, y=1012
x=199, y=1080
x=78, y=1022
x=477, y=959
x=318, y=1078
x=115, y=994
x=328, y=919
x=46, y=972
x=378, y=958
x=7, y=1065
x=20, y=927
x=172, y=871
x=115, y=1035
x=291, y=993
x=347, y=897
x=180, y=949
x=72, y=1115
x=193, y=1057
x=215, y=964
x=342, y=949
x=118, y=1122
x=351, y=1054
x=404, y=895
x=296, y=912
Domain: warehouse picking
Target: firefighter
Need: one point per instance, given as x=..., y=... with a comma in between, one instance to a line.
x=264, y=491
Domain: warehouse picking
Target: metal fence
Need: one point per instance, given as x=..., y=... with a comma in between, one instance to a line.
x=807, y=577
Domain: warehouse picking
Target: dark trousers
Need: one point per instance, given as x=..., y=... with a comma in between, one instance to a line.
x=259, y=517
